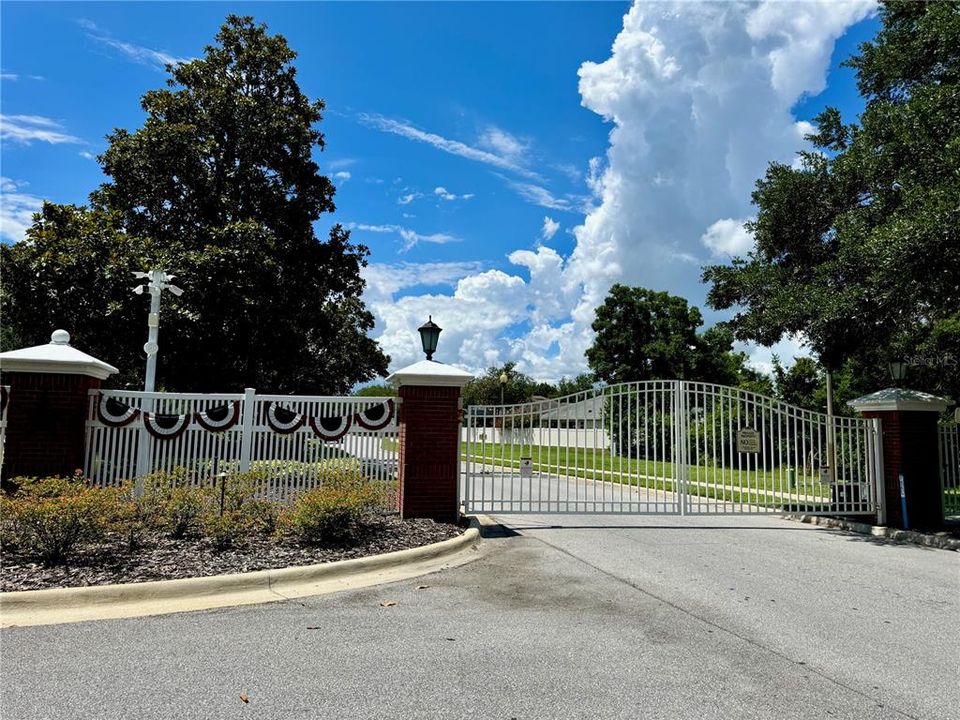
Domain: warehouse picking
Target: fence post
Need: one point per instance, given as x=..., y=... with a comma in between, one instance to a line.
x=910, y=447
x=429, y=452
x=49, y=403
x=246, y=429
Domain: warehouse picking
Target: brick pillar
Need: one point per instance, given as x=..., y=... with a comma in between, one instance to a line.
x=429, y=453
x=48, y=407
x=910, y=448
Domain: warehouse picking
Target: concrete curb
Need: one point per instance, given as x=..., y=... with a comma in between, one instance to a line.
x=65, y=605
x=880, y=531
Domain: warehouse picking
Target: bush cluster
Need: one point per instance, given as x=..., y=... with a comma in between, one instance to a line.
x=335, y=511
x=50, y=518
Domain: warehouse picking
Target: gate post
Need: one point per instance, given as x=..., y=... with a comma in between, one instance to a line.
x=48, y=406
x=910, y=447
x=429, y=452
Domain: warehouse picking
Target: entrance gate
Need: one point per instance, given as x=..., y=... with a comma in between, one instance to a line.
x=669, y=447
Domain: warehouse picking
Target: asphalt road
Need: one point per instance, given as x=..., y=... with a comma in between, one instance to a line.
x=649, y=617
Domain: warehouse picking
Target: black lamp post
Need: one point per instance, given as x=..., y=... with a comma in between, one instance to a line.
x=898, y=370
x=429, y=334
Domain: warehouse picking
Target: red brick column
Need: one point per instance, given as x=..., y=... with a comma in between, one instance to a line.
x=46, y=421
x=910, y=448
x=48, y=407
x=429, y=453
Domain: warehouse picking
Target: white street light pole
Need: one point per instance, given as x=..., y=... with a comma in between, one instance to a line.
x=159, y=281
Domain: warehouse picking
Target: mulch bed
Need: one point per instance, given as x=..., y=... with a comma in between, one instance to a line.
x=161, y=558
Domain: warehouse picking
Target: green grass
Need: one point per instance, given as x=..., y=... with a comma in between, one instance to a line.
x=709, y=481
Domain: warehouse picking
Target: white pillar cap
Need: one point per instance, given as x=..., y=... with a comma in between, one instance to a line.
x=430, y=374
x=57, y=356
x=899, y=399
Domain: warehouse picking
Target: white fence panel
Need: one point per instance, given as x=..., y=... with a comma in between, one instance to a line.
x=4, y=402
x=950, y=469
x=322, y=431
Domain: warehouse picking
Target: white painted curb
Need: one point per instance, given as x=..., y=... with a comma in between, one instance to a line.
x=64, y=605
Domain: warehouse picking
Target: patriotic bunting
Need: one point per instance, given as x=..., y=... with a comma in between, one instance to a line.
x=330, y=429
x=165, y=427
x=114, y=413
x=376, y=417
x=283, y=421
x=220, y=418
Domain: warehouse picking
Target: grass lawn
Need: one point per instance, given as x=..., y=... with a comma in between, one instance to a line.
x=736, y=485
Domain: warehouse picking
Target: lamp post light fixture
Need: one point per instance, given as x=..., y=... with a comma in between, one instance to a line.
x=429, y=335
x=503, y=384
x=898, y=370
x=158, y=281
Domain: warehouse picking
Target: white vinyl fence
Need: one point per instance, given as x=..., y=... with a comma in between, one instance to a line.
x=950, y=468
x=295, y=439
x=4, y=401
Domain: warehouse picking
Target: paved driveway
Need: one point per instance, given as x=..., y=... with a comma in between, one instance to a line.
x=654, y=617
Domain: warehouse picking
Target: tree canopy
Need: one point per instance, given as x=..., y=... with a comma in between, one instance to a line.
x=642, y=334
x=858, y=248
x=218, y=187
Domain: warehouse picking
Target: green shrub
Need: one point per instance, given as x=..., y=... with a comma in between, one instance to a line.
x=224, y=530
x=331, y=513
x=49, y=517
x=171, y=503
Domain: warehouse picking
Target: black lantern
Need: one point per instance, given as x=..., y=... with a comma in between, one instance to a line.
x=898, y=370
x=429, y=334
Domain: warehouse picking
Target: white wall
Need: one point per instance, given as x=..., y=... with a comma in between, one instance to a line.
x=554, y=437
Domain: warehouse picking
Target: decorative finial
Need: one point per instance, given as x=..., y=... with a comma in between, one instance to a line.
x=60, y=337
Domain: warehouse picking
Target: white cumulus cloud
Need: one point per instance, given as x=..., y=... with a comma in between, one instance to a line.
x=699, y=98
x=727, y=238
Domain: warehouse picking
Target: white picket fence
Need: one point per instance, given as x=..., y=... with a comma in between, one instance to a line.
x=121, y=446
x=4, y=402
x=950, y=469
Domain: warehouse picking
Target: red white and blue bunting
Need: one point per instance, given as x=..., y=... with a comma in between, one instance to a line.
x=220, y=418
x=330, y=429
x=115, y=413
x=165, y=427
x=283, y=421
x=376, y=417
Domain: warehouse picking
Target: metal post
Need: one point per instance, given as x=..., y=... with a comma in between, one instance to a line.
x=831, y=444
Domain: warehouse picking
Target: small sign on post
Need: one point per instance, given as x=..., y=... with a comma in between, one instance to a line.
x=748, y=440
x=526, y=467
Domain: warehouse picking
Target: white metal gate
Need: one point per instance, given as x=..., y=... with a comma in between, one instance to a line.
x=669, y=446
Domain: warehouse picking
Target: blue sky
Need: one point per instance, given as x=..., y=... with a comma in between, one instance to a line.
x=504, y=162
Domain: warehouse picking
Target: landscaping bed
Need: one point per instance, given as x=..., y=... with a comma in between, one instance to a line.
x=163, y=558
x=66, y=532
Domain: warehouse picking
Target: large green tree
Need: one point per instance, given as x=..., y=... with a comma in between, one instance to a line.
x=219, y=187
x=858, y=249
x=643, y=334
